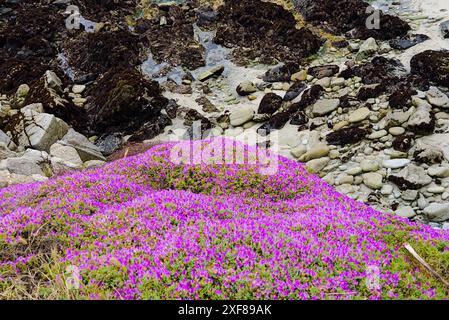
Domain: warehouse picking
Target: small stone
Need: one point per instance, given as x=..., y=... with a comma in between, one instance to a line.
x=324, y=82
x=396, y=131
x=421, y=121
x=44, y=130
x=368, y=151
x=354, y=171
x=367, y=48
x=344, y=179
x=422, y=202
x=411, y=177
x=439, y=172
x=337, y=82
x=299, y=76
x=340, y=125
x=32, y=108
x=369, y=165
x=334, y=154
x=316, y=165
x=409, y=195
x=93, y=164
x=212, y=72
x=86, y=149
x=437, y=98
x=386, y=190
x=241, y=115
x=78, y=88
x=246, y=88
x=52, y=80
x=325, y=106
x=22, y=91
x=373, y=180
x=405, y=212
x=318, y=151
x=377, y=134
x=436, y=190
x=359, y=115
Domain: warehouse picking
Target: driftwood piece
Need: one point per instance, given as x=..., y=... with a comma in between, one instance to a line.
x=412, y=251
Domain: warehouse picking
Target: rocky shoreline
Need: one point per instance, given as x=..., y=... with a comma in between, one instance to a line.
x=366, y=110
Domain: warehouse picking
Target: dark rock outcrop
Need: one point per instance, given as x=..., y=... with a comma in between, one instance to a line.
x=92, y=54
x=432, y=66
x=379, y=70
x=350, y=16
x=122, y=100
x=263, y=30
x=270, y=103
x=346, y=136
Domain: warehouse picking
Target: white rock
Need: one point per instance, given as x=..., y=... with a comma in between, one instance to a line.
x=339, y=82
x=78, y=88
x=31, y=109
x=4, y=138
x=52, y=80
x=26, y=165
x=440, y=141
x=86, y=149
x=68, y=154
x=44, y=130
x=395, y=163
x=241, y=115
x=22, y=91
x=324, y=82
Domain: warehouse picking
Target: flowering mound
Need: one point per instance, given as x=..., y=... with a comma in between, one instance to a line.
x=146, y=227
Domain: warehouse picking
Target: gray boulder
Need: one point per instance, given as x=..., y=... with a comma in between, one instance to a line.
x=43, y=130
x=437, y=212
x=86, y=149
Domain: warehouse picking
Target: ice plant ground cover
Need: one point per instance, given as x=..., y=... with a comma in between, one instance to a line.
x=146, y=228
